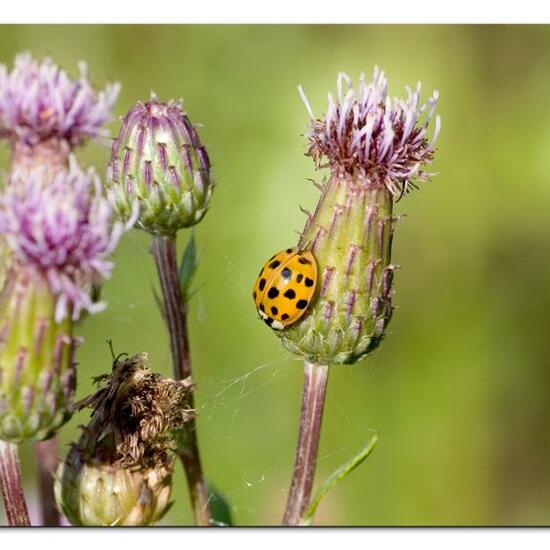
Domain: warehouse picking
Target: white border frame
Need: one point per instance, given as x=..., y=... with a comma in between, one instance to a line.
x=281, y=11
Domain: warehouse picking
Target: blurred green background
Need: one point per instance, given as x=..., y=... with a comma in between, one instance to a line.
x=459, y=390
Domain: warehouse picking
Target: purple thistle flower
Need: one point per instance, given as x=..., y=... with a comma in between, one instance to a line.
x=369, y=136
x=39, y=101
x=64, y=232
x=376, y=147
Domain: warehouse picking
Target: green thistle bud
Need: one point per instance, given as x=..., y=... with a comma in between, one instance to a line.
x=375, y=150
x=350, y=236
x=120, y=471
x=37, y=374
x=159, y=163
x=93, y=493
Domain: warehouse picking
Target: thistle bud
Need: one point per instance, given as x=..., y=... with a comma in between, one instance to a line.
x=59, y=235
x=159, y=162
x=119, y=472
x=375, y=148
x=37, y=374
x=45, y=114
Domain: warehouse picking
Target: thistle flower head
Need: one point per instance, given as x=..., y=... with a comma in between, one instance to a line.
x=376, y=147
x=63, y=230
x=158, y=161
x=119, y=472
x=39, y=101
x=373, y=138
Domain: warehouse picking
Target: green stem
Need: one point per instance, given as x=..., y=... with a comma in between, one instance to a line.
x=175, y=311
x=12, y=486
x=311, y=415
x=47, y=460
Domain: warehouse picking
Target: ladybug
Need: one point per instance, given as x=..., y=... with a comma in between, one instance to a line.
x=285, y=286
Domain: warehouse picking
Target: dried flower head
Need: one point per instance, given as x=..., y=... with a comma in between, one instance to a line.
x=158, y=161
x=119, y=472
x=135, y=410
x=63, y=230
x=39, y=101
x=368, y=136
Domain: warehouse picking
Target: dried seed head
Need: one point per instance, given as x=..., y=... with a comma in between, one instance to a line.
x=119, y=473
x=63, y=230
x=37, y=368
x=139, y=409
x=375, y=148
x=159, y=162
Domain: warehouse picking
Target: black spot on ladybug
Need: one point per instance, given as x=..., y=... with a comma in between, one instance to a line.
x=262, y=307
x=284, y=316
x=268, y=321
x=274, y=310
x=289, y=250
x=262, y=284
x=290, y=294
x=254, y=295
x=274, y=264
x=273, y=293
x=301, y=304
x=286, y=274
x=299, y=278
x=308, y=282
x=303, y=261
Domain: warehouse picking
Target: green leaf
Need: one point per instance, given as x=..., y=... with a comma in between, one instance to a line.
x=219, y=507
x=337, y=476
x=188, y=267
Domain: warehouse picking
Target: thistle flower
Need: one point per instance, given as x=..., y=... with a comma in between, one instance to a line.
x=376, y=149
x=45, y=113
x=372, y=139
x=63, y=231
x=119, y=473
x=159, y=162
x=59, y=235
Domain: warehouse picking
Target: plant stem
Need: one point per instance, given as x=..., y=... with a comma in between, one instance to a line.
x=175, y=312
x=12, y=486
x=47, y=460
x=311, y=415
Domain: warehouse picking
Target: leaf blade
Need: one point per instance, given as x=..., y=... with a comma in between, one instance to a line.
x=338, y=475
x=188, y=267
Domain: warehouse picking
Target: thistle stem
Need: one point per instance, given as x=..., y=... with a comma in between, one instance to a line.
x=47, y=460
x=175, y=312
x=311, y=415
x=12, y=486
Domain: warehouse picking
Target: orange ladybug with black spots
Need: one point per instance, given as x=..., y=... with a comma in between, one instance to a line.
x=285, y=287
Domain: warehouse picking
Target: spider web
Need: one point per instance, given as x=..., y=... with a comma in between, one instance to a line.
x=226, y=400
x=227, y=397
